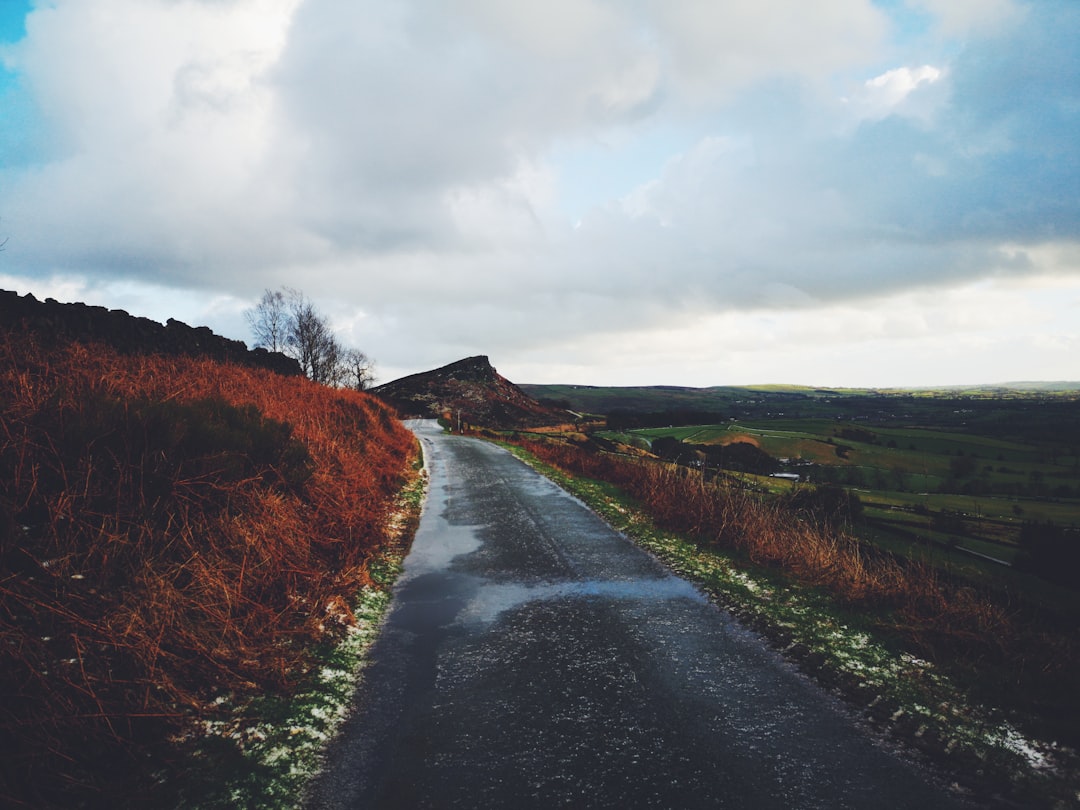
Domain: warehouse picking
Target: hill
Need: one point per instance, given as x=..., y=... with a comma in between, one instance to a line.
x=762, y=400
x=470, y=391
x=54, y=323
x=175, y=532
x=1024, y=410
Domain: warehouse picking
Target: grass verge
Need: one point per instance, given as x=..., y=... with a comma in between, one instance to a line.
x=262, y=752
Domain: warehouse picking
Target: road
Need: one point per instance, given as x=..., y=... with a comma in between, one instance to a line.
x=534, y=657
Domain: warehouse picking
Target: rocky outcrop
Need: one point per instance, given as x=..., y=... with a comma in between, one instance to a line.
x=472, y=391
x=50, y=320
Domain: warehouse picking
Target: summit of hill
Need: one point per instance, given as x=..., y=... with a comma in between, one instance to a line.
x=470, y=390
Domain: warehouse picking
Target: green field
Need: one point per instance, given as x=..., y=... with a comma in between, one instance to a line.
x=956, y=498
x=950, y=472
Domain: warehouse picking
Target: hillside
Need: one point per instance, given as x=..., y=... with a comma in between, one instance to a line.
x=174, y=531
x=54, y=323
x=764, y=400
x=1045, y=413
x=470, y=391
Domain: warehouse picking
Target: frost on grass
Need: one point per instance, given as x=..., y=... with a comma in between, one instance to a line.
x=275, y=744
x=268, y=749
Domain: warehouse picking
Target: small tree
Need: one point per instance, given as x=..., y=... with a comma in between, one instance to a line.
x=357, y=370
x=269, y=320
x=311, y=341
x=287, y=321
x=1050, y=551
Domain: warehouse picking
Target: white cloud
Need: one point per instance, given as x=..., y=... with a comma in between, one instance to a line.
x=964, y=17
x=982, y=332
x=898, y=91
x=404, y=164
x=160, y=122
x=717, y=48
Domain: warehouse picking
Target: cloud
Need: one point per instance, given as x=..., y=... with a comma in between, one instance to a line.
x=407, y=164
x=966, y=17
x=956, y=335
x=715, y=49
x=898, y=91
x=158, y=130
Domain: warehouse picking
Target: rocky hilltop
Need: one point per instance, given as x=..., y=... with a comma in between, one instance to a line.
x=51, y=320
x=470, y=390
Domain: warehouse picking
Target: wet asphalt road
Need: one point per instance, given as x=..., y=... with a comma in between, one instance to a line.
x=533, y=657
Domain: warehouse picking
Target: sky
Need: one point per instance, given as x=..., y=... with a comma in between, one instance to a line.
x=597, y=192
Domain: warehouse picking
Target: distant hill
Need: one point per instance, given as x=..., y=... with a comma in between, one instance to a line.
x=470, y=390
x=761, y=400
x=1014, y=388
x=606, y=399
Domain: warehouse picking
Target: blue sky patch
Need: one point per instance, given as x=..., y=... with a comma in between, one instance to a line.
x=13, y=19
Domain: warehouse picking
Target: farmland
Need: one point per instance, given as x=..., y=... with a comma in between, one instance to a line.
x=958, y=495
x=943, y=523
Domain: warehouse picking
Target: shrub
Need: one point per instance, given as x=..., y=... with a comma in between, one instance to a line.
x=1051, y=551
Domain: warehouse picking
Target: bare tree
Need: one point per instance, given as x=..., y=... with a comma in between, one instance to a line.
x=269, y=320
x=358, y=370
x=310, y=340
x=287, y=321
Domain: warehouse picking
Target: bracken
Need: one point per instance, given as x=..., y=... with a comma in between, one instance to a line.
x=170, y=529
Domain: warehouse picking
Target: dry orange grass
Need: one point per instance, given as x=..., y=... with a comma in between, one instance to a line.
x=170, y=529
x=935, y=614
x=724, y=439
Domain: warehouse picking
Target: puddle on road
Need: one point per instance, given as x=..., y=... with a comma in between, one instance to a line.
x=492, y=599
x=433, y=551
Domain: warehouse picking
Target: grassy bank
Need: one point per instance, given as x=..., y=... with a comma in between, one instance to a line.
x=176, y=537
x=263, y=752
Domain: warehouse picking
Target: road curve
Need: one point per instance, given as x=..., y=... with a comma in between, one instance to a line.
x=535, y=658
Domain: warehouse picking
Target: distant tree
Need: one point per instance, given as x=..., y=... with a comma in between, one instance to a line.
x=741, y=456
x=963, y=466
x=287, y=321
x=949, y=521
x=269, y=320
x=312, y=342
x=670, y=448
x=855, y=434
x=358, y=370
x=1050, y=551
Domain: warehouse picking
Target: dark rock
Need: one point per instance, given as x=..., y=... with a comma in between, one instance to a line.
x=50, y=321
x=469, y=391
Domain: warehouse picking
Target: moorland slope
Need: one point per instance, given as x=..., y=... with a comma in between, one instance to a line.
x=173, y=530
